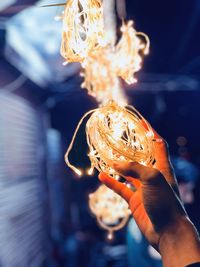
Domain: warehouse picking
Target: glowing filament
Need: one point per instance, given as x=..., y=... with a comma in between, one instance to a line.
x=82, y=29
x=105, y=65
x=110, y=209
x=128, y=52
x=84, y=40
x=100, y=78
x=116, y=133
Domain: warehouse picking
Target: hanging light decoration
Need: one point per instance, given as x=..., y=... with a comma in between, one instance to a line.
x=128, y=52
x=87, y=40
x=104, y=65
x=100, y=77
x=110, y=209
x=82, y=29
x=114, y=131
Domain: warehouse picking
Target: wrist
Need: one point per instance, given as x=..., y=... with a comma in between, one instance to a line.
x=179, y=244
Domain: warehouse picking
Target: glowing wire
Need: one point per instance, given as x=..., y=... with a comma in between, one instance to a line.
x=82, y=29
x=113, y=131
x=76, y=170
x=111, y=211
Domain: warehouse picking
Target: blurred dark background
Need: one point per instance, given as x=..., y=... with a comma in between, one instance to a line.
x=44, y=216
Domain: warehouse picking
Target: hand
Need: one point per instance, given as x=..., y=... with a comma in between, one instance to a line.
x=155, y=205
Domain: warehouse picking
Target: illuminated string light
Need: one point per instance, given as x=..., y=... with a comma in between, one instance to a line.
x=114, y=131
x=84, y=40
x=111, y=211
x=100, y=77
x=104, y=66
x=82, y=29
x=128, y=52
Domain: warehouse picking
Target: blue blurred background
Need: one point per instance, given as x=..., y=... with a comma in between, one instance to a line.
x=44, y=215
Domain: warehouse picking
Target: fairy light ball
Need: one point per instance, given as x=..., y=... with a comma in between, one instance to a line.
x=111, y=211
x=117, y=133
x=82, y=29
x=114, y=131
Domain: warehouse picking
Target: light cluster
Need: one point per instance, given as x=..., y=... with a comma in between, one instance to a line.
x=100, y=77
x=114, y=131
x=82, y=29
x=104, y=62
x=110, y=209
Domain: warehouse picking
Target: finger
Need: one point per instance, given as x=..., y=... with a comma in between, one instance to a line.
x=127, y=170
x=116, y=186
x=135, y=182
x=135, y=170
x=161, y=149
x=160, y=143
x=161, y=154
x=147, y=125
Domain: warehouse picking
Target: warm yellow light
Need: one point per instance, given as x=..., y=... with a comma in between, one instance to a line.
x=128, y=52
x=78, y=172
x=110, y=209
x=82, y=29
x=114, y=130
x=100, y=77
x=115, y=133
x=90, y=171
x=104, y=65
x=84, y=40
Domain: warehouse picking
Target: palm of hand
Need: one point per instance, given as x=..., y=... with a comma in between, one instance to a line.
x=142, y=219
x=151, y=208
